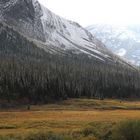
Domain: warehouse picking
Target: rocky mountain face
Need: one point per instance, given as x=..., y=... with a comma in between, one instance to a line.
x=122, y=40
x=51, y=32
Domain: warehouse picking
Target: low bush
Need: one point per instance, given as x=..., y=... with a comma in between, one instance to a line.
x=128, y=130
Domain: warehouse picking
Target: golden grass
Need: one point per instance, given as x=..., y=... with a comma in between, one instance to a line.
x=67, y=116
x=90, y=104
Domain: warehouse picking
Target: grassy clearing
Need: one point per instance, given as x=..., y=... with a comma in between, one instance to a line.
x=81, y=119
x=90, y=104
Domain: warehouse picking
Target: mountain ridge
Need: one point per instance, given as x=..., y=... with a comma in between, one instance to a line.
x=123, y=40
x=51, y=32
x=63, y=61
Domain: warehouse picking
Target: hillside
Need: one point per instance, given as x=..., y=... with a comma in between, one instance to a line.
x=51, y=32
x=29, y=74
x=33, y=72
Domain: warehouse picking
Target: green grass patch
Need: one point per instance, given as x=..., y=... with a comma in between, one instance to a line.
x=128, y=130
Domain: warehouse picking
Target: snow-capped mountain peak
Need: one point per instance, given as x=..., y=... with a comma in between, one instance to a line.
x=51, y=32
x=122, y=40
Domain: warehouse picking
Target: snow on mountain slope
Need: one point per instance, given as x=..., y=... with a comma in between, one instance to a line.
x=123, y=40
x=52, y=32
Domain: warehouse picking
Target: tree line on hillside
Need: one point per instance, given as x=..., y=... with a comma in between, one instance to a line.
x=30, y=74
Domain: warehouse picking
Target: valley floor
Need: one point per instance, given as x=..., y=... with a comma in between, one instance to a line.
x=68, y=117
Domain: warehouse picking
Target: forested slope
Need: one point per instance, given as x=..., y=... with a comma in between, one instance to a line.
x=30, y=74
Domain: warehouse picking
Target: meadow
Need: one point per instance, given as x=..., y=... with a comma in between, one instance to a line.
x=78, y=118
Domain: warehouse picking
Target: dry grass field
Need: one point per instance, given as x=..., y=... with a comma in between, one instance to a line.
x=68, y=117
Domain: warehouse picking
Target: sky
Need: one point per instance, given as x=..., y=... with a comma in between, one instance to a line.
x=88, y=12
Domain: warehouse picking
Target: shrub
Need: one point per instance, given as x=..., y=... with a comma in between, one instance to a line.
x=88, y=131
x=128, y=130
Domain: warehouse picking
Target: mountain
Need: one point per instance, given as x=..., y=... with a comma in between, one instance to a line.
x=122, y=40
x=51, y=32
x=44, y=57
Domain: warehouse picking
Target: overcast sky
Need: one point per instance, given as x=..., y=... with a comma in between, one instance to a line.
x=88, y=12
